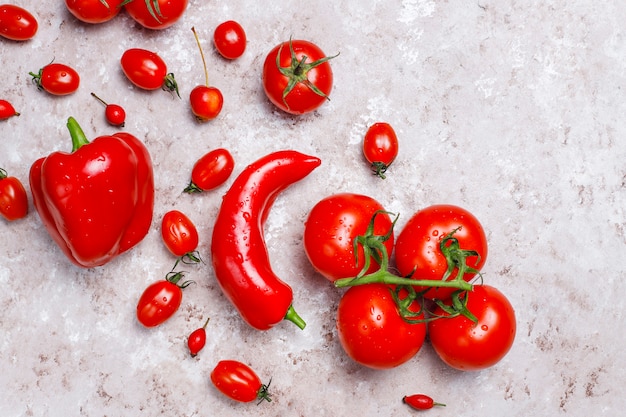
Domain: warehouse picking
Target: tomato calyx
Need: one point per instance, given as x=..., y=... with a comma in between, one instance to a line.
x=37, y=79
x=297, y=72
x=151, y=5
x=170, y=84
x=263, y=393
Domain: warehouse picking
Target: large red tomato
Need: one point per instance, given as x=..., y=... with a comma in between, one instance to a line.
x=156, y=14
x=418, y=249
x=94, y=11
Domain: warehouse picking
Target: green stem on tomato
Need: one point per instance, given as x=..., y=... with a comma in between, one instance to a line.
x=76, y=132
x=293, y=317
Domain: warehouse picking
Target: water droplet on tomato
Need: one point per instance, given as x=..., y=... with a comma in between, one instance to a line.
x=435, y=232
x=484, y=327
x=246, y=216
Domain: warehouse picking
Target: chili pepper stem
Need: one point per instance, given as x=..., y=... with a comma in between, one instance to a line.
x=293, y=317
x=76, y=132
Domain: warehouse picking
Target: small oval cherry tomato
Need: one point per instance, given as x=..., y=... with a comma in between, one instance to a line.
x=57, y=79
x=380, y=147
x=114, y=113
x=156, y=14
x=420, y=402
x=16, y=23
x=7, y=110
x=211, y=171
x=94, y=11
x=161, y=300
x=13, y=199
x=197, y=339
x=239, y=382
x=147, y=70
x=468, y=346
x=179, y=234
x=230, y=39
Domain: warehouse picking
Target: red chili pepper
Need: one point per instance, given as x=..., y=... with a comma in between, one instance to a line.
x=240, y=257
x=97, y=201
x=420, y=402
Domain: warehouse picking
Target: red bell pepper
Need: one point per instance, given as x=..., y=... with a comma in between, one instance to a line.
x=97, y=201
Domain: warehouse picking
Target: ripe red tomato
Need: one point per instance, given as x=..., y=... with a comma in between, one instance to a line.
x=380, y=147
x=211, y=171
x=16, y=23
x=7, y=110
x=420, y=402
x=197, y=339
x=179, y=233
x=418, y=245
x=206, y=102
x=161, y=300
x=114, y=113
x=156, y=14
x=331, y=227
x=57, y=79
x=147, y=70
x=297, y=76
x=230, y=39
x=239, y=382
x=371, y=330
x=469, y=346
x=13, y=199
x=94, y=11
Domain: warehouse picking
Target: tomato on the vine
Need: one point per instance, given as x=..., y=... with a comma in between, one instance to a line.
x=179, y=234
x=114, y=113
x=94, y=11
x=239, y=382
x=155, y=14
x=206, y=101
x=418, y=252
x=297, y=76
x=147, y=70
x=13, y=199
x=7, y=110
x=17, y=23
x=161, y=299
x=471, y=346
x=230, y=39
x=57, y=79
x=211, y=171
x=371, y=330
x=380, y=147
x=331, y=228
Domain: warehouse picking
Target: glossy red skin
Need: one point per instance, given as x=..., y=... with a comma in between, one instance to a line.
x=240, y=258
x=419, y=401
x=59, y=79
x=196, y=341
x=230, y=39
x=212, y=169
x=206, y=102
x=236, y=380
x=301, y=99
x=7, y=110
x=380, y=144
x=417, y=245
x=144, y=68
x=468, y=346
x=13, y=198
x=331, y=227
x=178, y=232
x=94, y=11
x=91, y=224
x=171, y=12
x=158, y=303
x=17, y=23
x=115, y=114
x=371, y=330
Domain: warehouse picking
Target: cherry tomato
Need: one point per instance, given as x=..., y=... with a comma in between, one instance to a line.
x=418, y=245
x=239, y=382
x=469, y=346
x=94, y=11
x=16, y=23
x=161, y=300
x=331, y=227
x=380, y=147
x=420, y=402
x=197, y=339
x=179, y=234
x=13, y=199
x=230, y=39
x=7, y=110
x=156, y=14
x=371, y=330
x=297, y=76
x=211, y=171
x=206, y=101
x=57, y=79
x=114, y=113
x=147, y=70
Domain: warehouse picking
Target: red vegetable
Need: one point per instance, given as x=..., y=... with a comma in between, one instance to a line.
x=147, y=70
x=380, y=147
x=97, y=201
x=420, y=402
x=239, y=254
x=56, y=79
x=114, y=113
x=7, y=110
x=239, y=382
x=156, y=14
x=230, y=39
x=16, y=23
x=161, y=300
x=13, y=199
x=180, y=235
x=206, y=101
x=197, y=339
x=211, y=171
x=94, y=11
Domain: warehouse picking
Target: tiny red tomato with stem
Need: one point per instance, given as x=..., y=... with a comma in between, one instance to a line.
x=161, y=300
x=13, y=199
x=206, y=101
x=180, y=236
x=230, y=39
x=211, y=171
x=7, y=110
x=197, y=339
x=114, y=113
x=147, y=70
x=56, y=79
x=239, y=382
x=420, y=402
x=380, y=147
